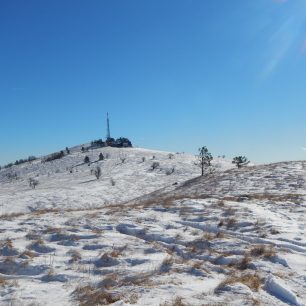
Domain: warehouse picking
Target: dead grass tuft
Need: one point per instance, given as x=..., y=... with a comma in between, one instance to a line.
x=244, y=263
x=27, y=254
x=253, y=281
x=3, y=282
x=10, y=217
x=262, y=250
x=75, y=256
x=89, y=295
x=231, y=223
x=178, y=301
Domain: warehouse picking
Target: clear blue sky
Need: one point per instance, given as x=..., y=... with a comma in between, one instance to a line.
x=173, y=74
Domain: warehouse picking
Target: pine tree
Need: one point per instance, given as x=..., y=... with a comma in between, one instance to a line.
x=204, y=159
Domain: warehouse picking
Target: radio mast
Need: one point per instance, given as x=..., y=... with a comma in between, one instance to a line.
x=107, y=128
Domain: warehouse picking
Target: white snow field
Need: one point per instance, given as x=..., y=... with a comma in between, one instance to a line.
x=143, y=236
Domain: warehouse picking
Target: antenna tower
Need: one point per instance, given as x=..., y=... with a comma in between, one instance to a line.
x=108, y=129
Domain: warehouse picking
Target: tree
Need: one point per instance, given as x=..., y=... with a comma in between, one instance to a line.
x=67, y=150
x=86, y=160
x=98, y=172
x=240, y=161
x=101, y=156
x=204, y=159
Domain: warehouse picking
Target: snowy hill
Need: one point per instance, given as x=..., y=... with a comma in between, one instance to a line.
x=152, y=237
x=120, y=181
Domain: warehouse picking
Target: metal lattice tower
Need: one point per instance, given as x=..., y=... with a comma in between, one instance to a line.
x=107, y=129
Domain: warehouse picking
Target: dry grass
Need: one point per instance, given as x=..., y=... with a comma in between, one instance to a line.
x=32, y=235
x=253, y=281
x=89, y=295
x=262, y=250
x=289, y=197
x=208, y=236
x=166, y=264
x=231, y=223
x=52, y=230
x=3, y=282
x=244, y=263
x=8, y=243
x=44, y=211
x=8, y=283
x=178, y=301
x=10, y=217
x=27, y=254
x=75, y=256
x=131, y=299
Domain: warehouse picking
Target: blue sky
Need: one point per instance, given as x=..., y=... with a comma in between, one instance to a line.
x=174, y=75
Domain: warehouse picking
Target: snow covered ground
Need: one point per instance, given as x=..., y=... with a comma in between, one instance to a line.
x=140, y=236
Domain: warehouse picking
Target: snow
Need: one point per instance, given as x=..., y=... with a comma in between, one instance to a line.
x=275, y=287
x=234, y=237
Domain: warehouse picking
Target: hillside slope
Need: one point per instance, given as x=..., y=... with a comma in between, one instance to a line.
x=58, y=188
x=236, y=237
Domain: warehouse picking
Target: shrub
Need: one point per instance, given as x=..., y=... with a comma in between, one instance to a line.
x=240, y=161
x=98, y=143
x=33, y=182
x=54, y=156
x=170, y=171
x=86, y=160
x=101, y=156
x=154, y=165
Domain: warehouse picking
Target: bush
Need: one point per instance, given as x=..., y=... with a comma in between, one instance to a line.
x=154, y=165
x=22, y=161
x=54, y=156
x=170, y=171
x=86, y=160
x=8, y=166
x=240, y=161
x=101, y=156
x=98, y=143
x=33, y=182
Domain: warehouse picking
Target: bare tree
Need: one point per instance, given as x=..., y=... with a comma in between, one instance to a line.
x=98, y=172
